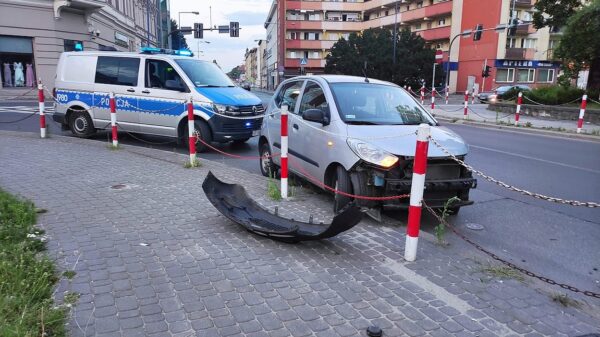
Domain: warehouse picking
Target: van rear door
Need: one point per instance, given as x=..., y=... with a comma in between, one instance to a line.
x=119, y=75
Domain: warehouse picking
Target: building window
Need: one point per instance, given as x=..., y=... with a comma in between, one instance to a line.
x=72, y=45
x=442, y=22
x=417, y=26
x=546, y=75
x=315, y=55
x=505, y=75
x=420, y=4
x=295, y=36
x=528, y=43
x=526, y=75
x=293, y=54
x=511, y=42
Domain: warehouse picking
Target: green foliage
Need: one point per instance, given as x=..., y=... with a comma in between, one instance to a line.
x=554, y=13
x=553, y=95
x=28, y=277
x=273, y=190
x=414, y=61
x=177, y=39
x=511, y=94
x=235, y=73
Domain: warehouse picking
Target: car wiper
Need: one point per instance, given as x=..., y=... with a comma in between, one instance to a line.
x=361, y=123
x=208, y=86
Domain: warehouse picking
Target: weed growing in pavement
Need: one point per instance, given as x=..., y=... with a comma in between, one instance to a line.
x=528, y=125
x=440, y=229
x=71, y=298
x=188, y=164
x=595, y=132
x=69, y=274
x=28, y=276
x=454, y=120
x=504, y=272
x=113, y=147
x=565, y=300
x=273, y=190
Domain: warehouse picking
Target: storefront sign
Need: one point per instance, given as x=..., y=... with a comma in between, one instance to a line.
x=526, y=64
x=121, y=39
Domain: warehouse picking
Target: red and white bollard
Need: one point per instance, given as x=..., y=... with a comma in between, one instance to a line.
x=517, y=114
x=42, y=109
x=416, y=192
x=191, y=132
x=422, y=95
x=473, y=96
x=581, y=113
x=113, y=118
x=446, y=95
x=466, y=111
x=432, y=98
x=284, y=151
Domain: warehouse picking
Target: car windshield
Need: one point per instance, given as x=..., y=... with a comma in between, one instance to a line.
x=377, y=104
x=204, y=74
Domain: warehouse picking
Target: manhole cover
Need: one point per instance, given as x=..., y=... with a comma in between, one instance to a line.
x=120, y=187
x=474, y=226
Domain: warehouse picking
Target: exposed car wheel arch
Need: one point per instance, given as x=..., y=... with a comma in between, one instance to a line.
x=72, y=109
x=262, y=140
x=181, y=127
x=330, y=173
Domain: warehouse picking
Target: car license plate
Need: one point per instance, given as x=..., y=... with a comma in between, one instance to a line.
x=255, y=133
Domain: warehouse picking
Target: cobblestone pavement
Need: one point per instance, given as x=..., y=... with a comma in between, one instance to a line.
x=156, y=259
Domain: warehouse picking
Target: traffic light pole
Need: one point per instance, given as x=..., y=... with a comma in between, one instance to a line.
x=483, y=77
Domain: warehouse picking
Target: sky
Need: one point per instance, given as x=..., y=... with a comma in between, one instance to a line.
x=228, y=51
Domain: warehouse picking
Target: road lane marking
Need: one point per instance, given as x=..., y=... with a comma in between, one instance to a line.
x=536, y=159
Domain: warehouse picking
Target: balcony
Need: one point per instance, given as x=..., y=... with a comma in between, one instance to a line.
x=433, y=34
x=308, y=44
x=520, y=53
x=312, y=63
x=442, y=8
x=523, y=3
x=325, y=5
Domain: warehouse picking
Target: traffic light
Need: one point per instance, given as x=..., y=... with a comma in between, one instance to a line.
x=512, y=28
x=478, y=32
x=198, y=30
x=234, y=29
x=486, y=71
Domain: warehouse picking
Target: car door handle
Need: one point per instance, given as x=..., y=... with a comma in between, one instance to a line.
x=295, y=126
x=145, y=91
x=130, y=90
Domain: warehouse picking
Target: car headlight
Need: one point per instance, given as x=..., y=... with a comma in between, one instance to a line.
x=225, y=109
x=372, y=154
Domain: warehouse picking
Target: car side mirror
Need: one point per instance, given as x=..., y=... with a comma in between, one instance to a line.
x=316, y=115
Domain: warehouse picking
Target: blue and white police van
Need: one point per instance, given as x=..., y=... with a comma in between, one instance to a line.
x=151, y=89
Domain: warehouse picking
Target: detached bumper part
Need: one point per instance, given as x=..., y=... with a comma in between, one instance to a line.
x=234, y=203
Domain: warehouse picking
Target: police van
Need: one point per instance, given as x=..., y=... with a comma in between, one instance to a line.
x=151, y=90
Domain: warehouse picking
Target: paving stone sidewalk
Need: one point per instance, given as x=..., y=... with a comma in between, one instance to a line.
x=154, y=258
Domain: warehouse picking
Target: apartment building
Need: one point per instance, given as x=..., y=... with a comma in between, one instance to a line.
x=35, y=32
x=308, y=30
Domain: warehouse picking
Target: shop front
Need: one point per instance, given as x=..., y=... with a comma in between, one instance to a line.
x=17, y=61
x=532, y=73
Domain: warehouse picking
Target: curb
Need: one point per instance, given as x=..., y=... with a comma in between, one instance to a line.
x=508, y=128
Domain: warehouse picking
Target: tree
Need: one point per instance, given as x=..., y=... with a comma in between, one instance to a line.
x=414, y=60
x=554, y=12
x=579, y=45
x=178, y=39
x=235, y=73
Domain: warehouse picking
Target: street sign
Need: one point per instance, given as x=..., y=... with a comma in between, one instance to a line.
x=186, y=30
x=223, y=29
x=234, y=29
x=439, y=56
x=304, y=61
x=198, y=30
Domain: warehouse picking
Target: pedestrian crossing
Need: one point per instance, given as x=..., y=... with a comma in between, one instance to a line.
x=25, y=109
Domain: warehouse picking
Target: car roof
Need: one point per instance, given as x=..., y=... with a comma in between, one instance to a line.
x=130, y=54
x=342, y=79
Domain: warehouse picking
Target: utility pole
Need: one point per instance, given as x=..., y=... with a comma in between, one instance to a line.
x=483, y=77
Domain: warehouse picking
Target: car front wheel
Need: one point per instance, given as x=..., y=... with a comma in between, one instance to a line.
x=267, y=167
x=341, y=183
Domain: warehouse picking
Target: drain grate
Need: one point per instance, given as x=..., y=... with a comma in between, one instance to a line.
x=120, y=187
x=474, y=226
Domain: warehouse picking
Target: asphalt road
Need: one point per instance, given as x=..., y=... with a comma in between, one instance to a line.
x=555, y=240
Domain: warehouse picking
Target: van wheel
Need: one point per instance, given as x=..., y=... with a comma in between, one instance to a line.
x=267, y=167
x=203, y=132
x=81, y=124
x=341, y=183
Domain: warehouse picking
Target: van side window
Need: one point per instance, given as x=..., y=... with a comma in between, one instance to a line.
x=288, y=95
x=161, y=75
x=117, y=70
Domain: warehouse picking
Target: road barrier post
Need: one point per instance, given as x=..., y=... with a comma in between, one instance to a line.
x=446, y=95
x=416, y=192
x=517, y=114
x=473, y=96
x=423, y=95
x=191, y=132
x=113, y=118
x=466, y=110
x=432, y=98
x=581, y=113
x=42, y=108
x=284, y=151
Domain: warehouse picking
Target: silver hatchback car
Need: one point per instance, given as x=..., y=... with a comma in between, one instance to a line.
x=358, y=135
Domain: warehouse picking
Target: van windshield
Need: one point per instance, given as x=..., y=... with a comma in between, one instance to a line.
x=204, y=74
x=377, y=104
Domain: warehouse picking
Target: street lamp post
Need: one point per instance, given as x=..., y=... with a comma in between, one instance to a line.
x=179, y=23
x=198, y=45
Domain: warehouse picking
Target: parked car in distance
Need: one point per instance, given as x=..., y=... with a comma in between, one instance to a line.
x=246, y=86
x=358, y=136
x=151, y=89
x=496, y=95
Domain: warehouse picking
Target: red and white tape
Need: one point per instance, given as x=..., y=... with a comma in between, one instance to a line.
x=416, y=192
